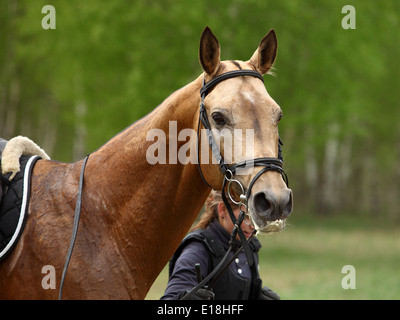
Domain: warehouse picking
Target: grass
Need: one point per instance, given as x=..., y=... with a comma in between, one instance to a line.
x=305, y=261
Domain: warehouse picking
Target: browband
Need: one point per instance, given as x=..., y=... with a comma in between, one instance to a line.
x=231, y=74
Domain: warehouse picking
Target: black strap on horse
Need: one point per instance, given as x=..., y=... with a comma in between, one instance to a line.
x=268, y=164
x=75, y=226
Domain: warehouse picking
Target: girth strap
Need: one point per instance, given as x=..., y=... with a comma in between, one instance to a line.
x=77, y=215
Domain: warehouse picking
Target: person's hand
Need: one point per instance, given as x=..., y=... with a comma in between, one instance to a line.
x=201, y=294
x=267, y=294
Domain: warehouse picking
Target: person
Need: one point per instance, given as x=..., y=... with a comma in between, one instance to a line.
x=206, y=244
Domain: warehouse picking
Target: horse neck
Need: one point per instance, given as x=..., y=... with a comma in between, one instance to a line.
x=149, y=206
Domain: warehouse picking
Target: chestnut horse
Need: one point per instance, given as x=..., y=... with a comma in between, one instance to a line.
x=134, y=214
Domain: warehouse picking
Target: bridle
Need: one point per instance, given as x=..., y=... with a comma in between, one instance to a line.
x=268, y=164
x=275, y=164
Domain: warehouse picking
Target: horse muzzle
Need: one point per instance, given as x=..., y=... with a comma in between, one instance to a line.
x=267, y=206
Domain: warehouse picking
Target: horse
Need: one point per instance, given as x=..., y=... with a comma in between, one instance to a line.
x=135, y=213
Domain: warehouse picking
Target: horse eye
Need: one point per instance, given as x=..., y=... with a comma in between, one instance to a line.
x=218, y=118
x=280, y=116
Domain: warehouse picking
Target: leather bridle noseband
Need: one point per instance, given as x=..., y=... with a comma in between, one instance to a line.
x=268, y=164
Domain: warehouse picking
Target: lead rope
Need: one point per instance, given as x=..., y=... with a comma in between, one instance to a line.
x=74, y=227
x=235, y=255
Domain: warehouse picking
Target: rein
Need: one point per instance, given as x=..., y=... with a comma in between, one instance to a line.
x=224, y=264
x=268, y=164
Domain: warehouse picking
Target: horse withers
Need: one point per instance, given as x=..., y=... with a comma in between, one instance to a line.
x=135, y=213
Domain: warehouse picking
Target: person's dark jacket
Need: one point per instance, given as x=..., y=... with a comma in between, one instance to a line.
x=207, y=247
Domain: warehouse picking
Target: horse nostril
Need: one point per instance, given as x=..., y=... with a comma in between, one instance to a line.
x=261, y=204
x=270, y=206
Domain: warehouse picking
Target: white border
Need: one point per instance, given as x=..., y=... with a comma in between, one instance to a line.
x=23, y=206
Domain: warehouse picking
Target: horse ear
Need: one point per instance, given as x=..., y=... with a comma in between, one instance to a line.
x=264, y=57
x=209, y=52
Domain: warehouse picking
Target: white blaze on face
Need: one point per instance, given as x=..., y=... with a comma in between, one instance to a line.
x=248, y=96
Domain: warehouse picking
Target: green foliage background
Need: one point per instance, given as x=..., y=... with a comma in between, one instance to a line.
x=109, y=63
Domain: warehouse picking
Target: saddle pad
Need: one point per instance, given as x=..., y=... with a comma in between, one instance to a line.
x=14, y=205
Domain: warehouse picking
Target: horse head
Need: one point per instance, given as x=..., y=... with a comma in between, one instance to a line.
x=243, y=119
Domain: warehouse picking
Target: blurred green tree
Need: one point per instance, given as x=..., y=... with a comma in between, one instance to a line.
x=108, y=64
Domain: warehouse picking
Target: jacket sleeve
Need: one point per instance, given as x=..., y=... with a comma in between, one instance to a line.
x=184, y=276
